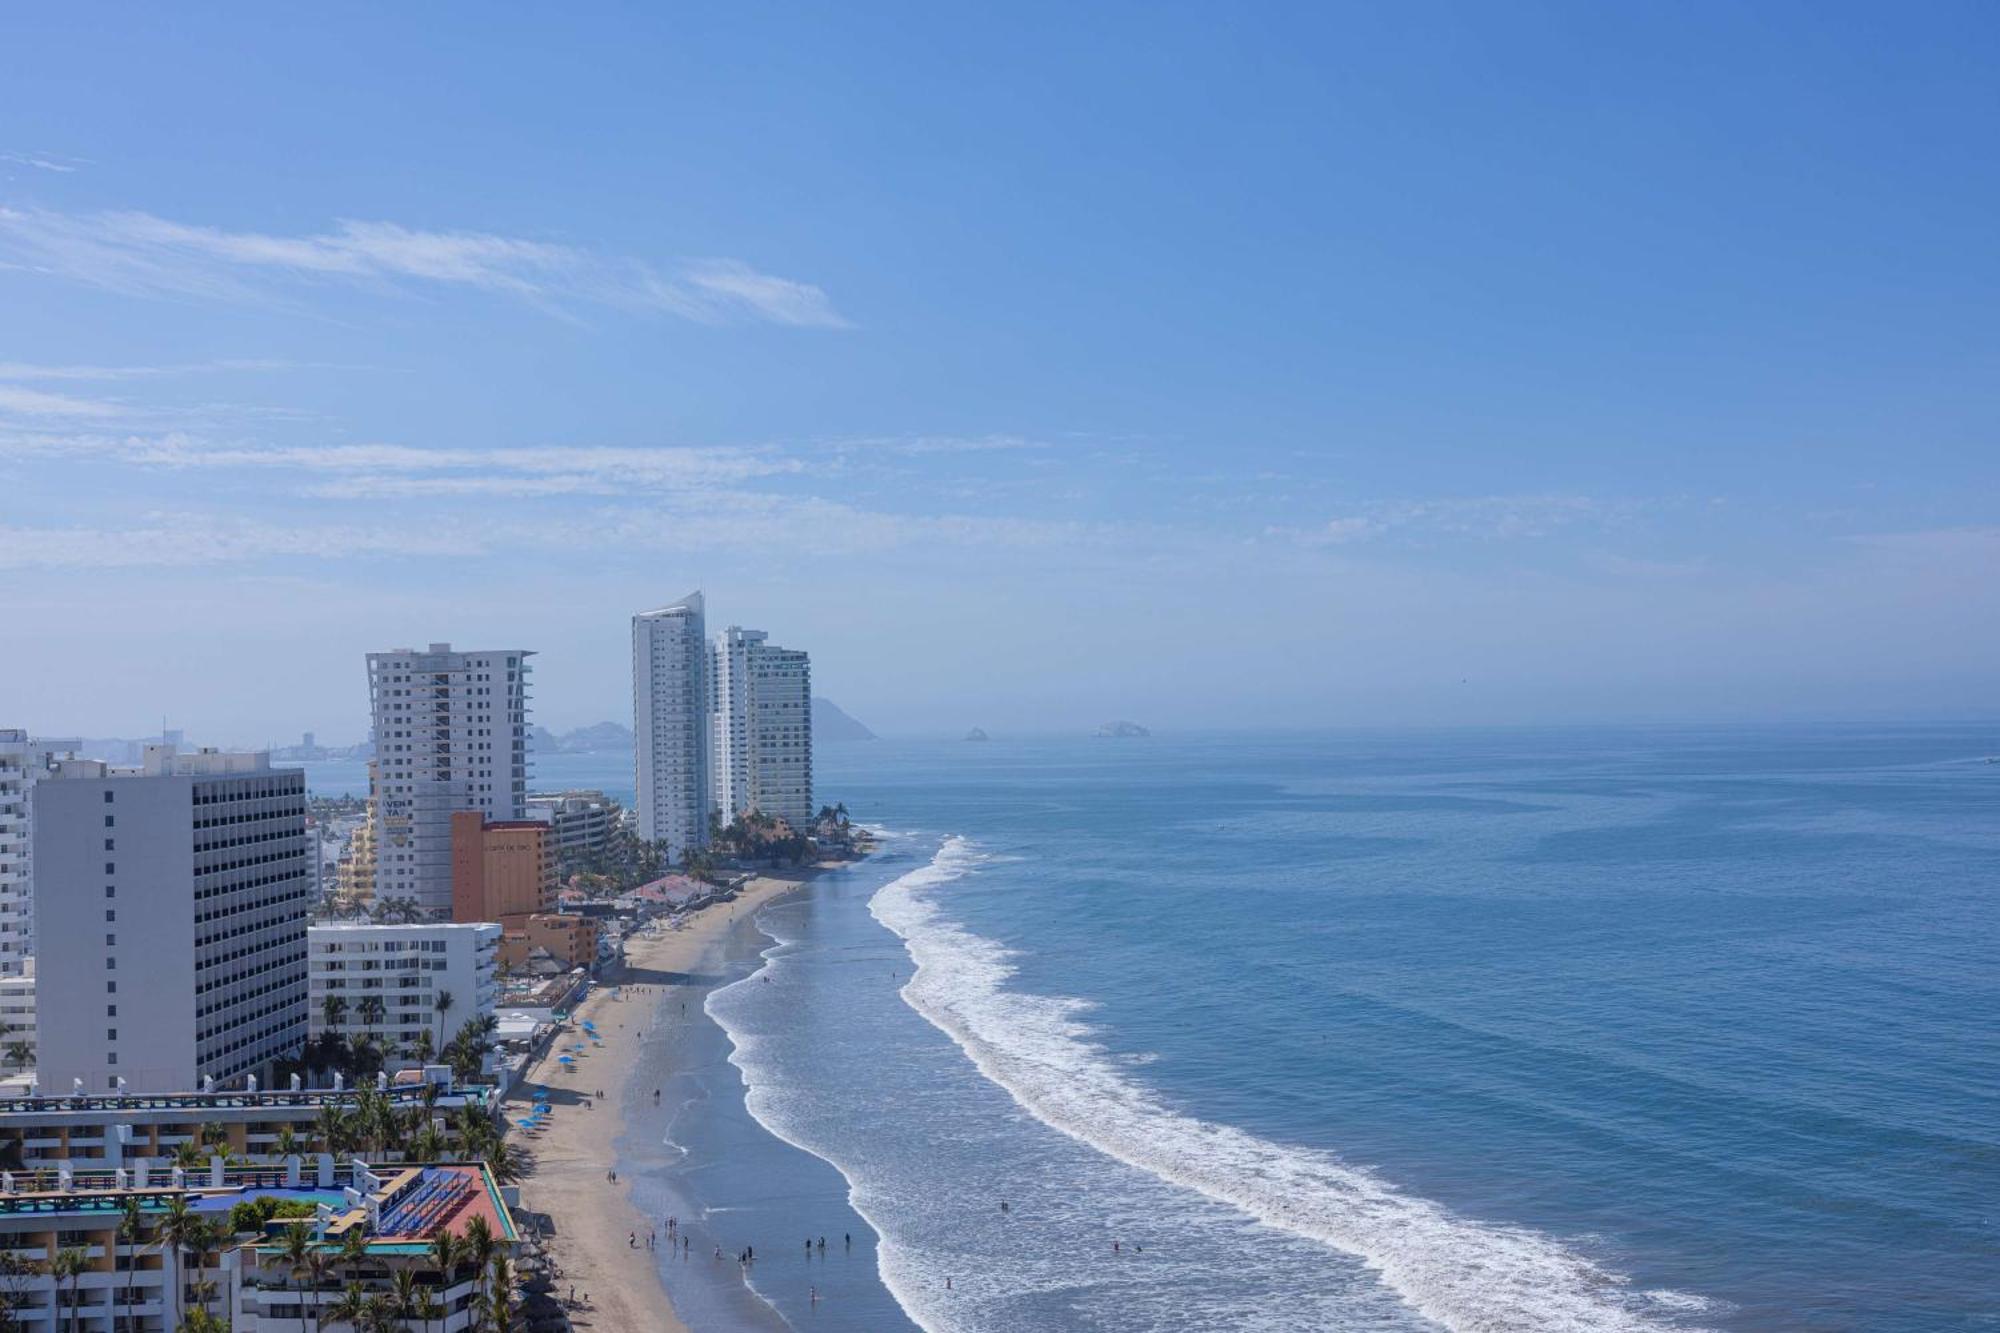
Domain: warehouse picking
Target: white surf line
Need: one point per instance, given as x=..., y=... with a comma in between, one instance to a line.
x=1470, y=1277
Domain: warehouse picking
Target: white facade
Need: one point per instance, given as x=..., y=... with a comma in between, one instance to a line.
x=451, y=733
x=17, y=1019
x=761, y=699
x=170, y=920
x=670, y=719
x=582, y=821
x=17, y=902
x=408, y=968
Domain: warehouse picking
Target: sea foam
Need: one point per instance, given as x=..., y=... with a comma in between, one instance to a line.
x=1466, y=1275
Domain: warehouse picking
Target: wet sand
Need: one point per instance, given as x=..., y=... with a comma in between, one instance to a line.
x=594, y=1221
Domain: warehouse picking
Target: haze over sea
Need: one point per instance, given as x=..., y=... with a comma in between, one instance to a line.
x=1584, y=1029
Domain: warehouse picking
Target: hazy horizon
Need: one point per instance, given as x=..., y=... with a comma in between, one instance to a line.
x=1031, y=369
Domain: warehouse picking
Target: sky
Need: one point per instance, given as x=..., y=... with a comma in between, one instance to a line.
x=1032, y=366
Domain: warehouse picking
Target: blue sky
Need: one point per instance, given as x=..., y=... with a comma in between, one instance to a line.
x=1213, y=366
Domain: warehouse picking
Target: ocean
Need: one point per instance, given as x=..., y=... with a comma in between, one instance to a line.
x=1662, y=1028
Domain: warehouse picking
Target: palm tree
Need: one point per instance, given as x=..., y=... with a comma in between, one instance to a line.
x=369, y=1011
x=504, y=1162
x=350, y=1308
x=178, y=1229
x=66, y=1266
x=353, y=1249
x=131, y=1230
x=334, y=1010
x=423, y=1048
x=188, y=1155
x=447, y=1253
x=500, y=1296
x=18, y=1054
x=442, y=1004
x=287, y=1144
x=428, y=1145
x=405, y=1295
x=298, y=1252
x=213, y=1135
x=479, y=1246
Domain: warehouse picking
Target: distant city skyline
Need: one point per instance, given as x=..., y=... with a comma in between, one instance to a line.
x=1326, y=366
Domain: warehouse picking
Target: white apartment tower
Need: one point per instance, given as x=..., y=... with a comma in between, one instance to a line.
x=451, y=733
x=170, y=920
x=22, y=760
x=398, y=982
x=670, y=719
x=761, y=697
x=17, y=903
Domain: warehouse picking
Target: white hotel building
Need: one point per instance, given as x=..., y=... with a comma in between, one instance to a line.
x=761, y=696
x=451, y=733
x=670, y=719
x=170, y=920
x=409, y=969
x=17, y=903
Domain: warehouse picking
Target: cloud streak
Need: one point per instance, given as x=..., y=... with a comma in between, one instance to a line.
x=144, y=255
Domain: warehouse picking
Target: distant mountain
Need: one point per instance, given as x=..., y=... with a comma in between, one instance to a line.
x=598, y=738
x=832, y=724
x=977, y=734
x=1122, y=730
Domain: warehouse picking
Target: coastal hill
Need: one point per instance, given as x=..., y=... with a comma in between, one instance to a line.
x=977, y=734
x=598, y=738
x=832, y=723
x=1122, y=730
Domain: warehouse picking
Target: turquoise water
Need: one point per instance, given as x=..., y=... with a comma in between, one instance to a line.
x=1645, y=1029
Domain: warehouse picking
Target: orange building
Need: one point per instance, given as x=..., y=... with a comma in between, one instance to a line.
x=570, y=940
x=500, y=869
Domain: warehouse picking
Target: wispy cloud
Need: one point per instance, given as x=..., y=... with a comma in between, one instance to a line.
x=26, y=372
x=391, y=471
x=1485, y=517
x=36, y=403
x=45, y=161
x=141, y=254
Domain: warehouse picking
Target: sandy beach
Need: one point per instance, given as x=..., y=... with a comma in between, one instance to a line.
x=616, y=1282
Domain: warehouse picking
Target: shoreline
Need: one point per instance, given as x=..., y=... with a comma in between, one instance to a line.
x=593, y=1219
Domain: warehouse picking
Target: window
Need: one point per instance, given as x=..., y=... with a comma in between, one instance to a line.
x=111, y=890
x=107, y=798
x=111, y=1011
x=110, y=821
x=110, y=846
x=110, y=868
x=110, y=940
x=110, y=914
x=110, y=988
x=111, y=1034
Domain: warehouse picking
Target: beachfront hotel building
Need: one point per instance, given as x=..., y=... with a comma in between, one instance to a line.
x=17, y=901
x=761, y=700
x=103, y=1132
x=583, y=821
x=397, y=982
x=451, y=733
x=170, y=920
x=501, y=869
x=146, y=1282
x=670, y=719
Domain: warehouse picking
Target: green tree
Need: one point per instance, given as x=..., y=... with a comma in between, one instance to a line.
x=300, y=1256
x=66, y=1266
x=131, y=1230
x=179, y=1228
